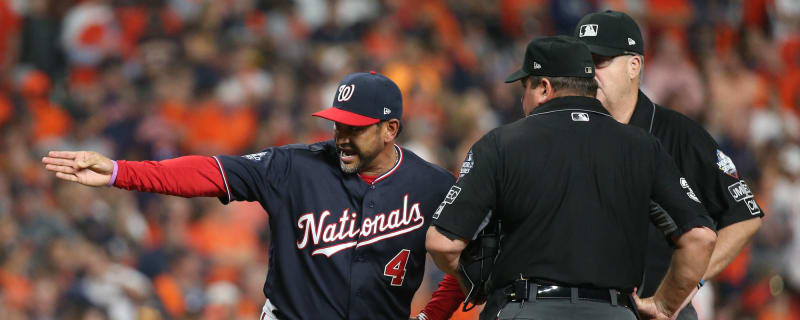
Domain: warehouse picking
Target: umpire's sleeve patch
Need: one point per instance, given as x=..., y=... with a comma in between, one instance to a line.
x=741, y=192
x=725, y=164
x=467, y=165
x=451, y=196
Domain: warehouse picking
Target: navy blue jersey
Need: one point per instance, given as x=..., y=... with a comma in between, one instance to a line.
x=340, y=248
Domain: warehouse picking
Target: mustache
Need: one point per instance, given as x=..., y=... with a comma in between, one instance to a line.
x=347, y=148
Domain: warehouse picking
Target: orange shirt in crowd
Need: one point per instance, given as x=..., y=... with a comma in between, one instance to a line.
x=6, y=109
x=17, y=288
x=224, y=240
x=213, y=128
x=49, y=119
x=169, y=292
x=9, y=27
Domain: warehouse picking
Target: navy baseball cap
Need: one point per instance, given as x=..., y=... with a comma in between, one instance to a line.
x=555, y=56
x=364, y=99
x=610, y=33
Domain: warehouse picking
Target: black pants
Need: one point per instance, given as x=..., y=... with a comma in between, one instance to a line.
x=688, y=313
x=564, y=309
x=498, y=307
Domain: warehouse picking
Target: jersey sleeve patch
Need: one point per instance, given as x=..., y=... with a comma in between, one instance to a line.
x=255, y=156
x=740, y=191
x=726, y=165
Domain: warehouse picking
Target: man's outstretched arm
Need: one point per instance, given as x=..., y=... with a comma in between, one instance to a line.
x=189, y=176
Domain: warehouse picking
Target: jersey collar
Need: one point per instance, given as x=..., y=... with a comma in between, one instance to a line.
x=644, y=113
x=391, y=171
x=571, y=103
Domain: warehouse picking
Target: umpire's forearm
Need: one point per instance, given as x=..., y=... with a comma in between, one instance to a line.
x=689, y=262
x=444, y=251
x=730, y=241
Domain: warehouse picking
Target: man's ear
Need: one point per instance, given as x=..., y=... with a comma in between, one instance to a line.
x=390, y=130
x=634, y=66
x=545, y=90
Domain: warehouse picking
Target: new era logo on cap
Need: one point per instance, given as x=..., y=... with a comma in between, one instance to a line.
x=631, y=42
x=536, y=65
x=387, y=111
x=588, y=30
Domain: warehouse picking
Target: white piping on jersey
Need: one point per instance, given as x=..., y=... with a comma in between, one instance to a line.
x=652, y=118
x=224, y=179
x=575, y=109
x=396, y=165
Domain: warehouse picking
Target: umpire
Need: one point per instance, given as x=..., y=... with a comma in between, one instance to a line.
x=572, y=187
x=617, y=48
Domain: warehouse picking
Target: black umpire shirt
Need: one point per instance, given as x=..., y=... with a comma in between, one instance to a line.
x=710, y=172
x=571, y=186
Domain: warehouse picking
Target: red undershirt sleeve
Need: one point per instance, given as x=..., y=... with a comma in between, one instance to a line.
x=189, y=176
x=445, y=300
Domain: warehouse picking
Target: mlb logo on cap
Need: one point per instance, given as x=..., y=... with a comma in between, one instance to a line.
x=588, y=30
x=364, y=99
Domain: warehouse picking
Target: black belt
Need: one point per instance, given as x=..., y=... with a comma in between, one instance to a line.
x=521, y=291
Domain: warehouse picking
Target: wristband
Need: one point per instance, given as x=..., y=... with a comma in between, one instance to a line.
x=113, y=174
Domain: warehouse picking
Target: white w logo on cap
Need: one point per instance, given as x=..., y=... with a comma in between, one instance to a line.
x=345, y=92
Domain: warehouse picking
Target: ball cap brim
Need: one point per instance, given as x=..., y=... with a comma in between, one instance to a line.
x=345, y=117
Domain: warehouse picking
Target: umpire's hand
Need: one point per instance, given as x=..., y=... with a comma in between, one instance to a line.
x=84, y=167
x=649, y=308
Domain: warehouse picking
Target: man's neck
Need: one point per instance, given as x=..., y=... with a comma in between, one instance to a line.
x=623, y=109
x=384, y=162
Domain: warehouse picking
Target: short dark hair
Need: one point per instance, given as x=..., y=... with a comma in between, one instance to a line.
x=574, y=85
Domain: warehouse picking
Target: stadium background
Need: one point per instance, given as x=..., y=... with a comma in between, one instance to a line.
x=156, y=79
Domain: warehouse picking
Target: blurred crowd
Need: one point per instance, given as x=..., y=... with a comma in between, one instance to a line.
x=156, y=79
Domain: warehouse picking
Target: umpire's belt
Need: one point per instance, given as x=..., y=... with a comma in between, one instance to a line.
x=522, y=290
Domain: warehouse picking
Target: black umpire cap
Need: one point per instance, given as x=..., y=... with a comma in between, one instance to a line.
x=610, y=33
x=556, y=56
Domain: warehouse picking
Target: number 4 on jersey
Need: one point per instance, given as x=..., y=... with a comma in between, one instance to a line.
x=396, y=268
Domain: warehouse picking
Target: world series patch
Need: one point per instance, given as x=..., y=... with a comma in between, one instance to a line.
x=467, y=165
x=740, y=191
x=726, y=165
